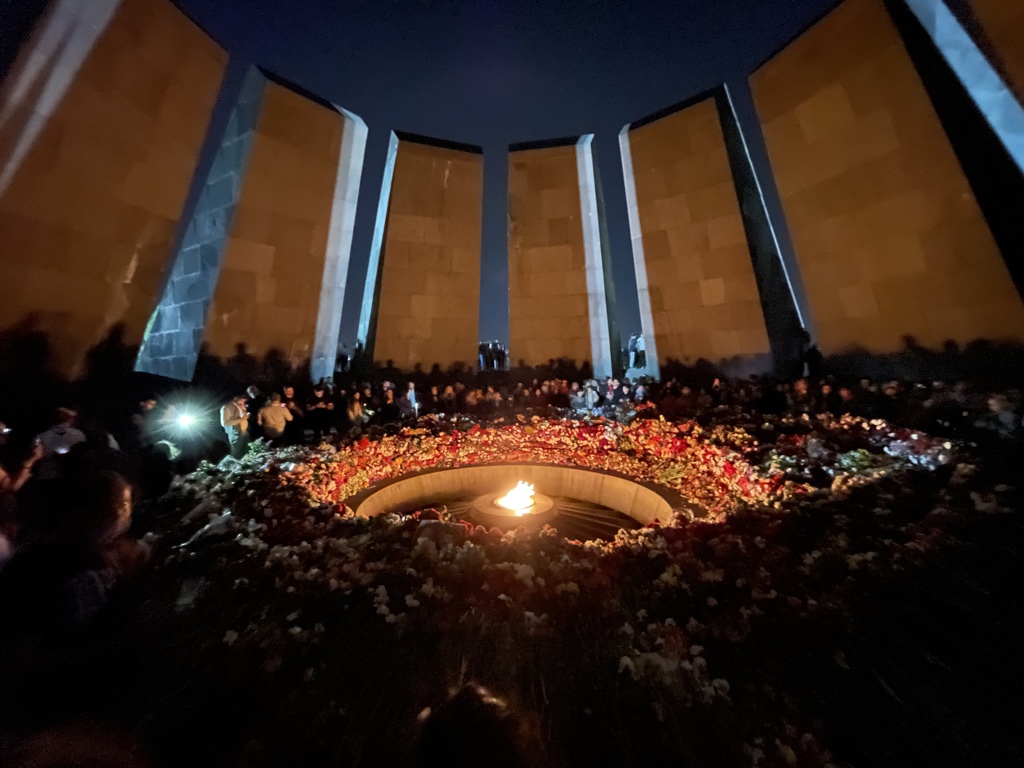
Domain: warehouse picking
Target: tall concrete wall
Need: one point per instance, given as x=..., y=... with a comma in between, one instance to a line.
x=103, y=118
x=281, y=264
x=888, y=235
x=423, y=292
x=174, y=335
x=689, y=246
x=1001, y=23
x=558, y=305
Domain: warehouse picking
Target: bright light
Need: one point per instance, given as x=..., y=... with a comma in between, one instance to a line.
x=519, y=499
x=185, y=421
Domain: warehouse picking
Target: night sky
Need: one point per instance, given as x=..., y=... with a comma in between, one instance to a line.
x=493, y=72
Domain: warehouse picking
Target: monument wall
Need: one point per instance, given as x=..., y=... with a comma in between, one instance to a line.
x=104, y=114
x=689, y=245
x=1001, y=22
x=888, y=235
x=286, y=257
x=558, y=306
x=425, y=294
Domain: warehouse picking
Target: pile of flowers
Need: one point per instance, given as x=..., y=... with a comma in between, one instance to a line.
x=262, y=559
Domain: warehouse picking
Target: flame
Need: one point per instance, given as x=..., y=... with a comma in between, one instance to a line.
x=519, y=499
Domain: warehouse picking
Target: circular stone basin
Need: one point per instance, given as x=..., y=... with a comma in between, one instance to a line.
x=490, y=513
x=643, y=502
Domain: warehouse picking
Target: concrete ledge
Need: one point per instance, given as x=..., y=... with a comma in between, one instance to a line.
x=644, y=502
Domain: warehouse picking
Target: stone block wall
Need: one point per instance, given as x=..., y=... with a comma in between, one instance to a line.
x=269, y=237
x=97, y=163
x=558, y=307
x=272, y=272
x=888, y=235
x=1001, y=22
x=427, y=302
x=174, y=335
x=689, y=245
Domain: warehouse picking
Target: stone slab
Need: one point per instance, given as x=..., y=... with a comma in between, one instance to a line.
x=97, y=150
x=890, y=240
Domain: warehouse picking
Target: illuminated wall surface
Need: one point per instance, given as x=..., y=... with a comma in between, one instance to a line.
x=1002, y=23
x=428, y=289
x=557, y=300
x=99, y=138
x=889, y=238
x=703, y=295
x=273, y=268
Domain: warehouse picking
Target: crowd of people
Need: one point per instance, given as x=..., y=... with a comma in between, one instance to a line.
x=66, y=497
x=69, y=555
x=65, y=517
x=492, y=356
x=283, y=418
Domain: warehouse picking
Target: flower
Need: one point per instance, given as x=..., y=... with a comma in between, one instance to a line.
x=286, y=546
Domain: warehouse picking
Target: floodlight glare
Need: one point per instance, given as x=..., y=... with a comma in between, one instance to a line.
x=185, y=421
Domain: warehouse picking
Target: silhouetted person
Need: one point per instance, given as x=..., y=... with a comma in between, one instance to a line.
x=319, y=409
x=254, y=402
x=56, y=442
x=295, y=428
x=409, y=405
x=389, y=411
x=641, y=352
x=473, y=728
x=70, y=575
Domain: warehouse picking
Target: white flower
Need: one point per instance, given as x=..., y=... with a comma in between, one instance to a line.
x=293, y=616
x=787, y=752
x=525, y=573
x=696, y=650
x=533, y=620
x=230, y=637
x=411, y=601
x=626, y=663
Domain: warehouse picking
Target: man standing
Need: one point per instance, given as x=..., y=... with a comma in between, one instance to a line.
x=631, y=351
x=640, y=360
x=318, y=411
x=294, y=429
x=409, y=405
x=254, y=402
x=274, y=418
x=235, y=420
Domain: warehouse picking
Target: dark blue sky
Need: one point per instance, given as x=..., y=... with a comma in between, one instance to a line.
x=494, y=72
